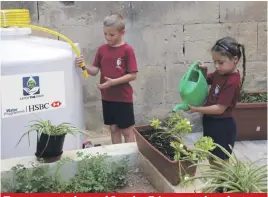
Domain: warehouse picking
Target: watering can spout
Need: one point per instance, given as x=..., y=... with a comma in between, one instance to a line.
x=183, y=107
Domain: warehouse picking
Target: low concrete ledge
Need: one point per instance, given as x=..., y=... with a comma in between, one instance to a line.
x=116, y=153
x=68, y=169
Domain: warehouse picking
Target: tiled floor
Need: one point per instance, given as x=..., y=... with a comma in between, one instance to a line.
x=244, y=150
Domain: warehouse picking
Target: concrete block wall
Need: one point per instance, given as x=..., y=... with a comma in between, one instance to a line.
x=167, y=38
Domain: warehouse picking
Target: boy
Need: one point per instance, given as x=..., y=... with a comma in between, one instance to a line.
x=117, y=64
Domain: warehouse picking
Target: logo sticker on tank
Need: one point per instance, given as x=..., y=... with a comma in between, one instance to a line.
x=33, y=93
x=31, y=87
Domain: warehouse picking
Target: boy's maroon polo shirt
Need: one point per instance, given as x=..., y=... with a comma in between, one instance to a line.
x=115, y=62
x=225, y=90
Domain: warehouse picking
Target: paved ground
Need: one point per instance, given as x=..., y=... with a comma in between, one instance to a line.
x=244, y=150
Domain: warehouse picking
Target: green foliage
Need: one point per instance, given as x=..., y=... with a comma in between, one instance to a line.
x=94, y=174
x=36, y=179
x=203, y=143
x=46, y=127
x=253, y=97
x=156, y=123
x=234, y=176
x=180, y=150
x=192, y=155
x=175, y=126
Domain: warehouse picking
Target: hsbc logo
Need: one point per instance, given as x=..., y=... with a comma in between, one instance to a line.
x=37, y=107
x=56, y=104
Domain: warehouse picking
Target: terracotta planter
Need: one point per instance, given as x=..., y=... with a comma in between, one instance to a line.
x=169, y=169
x=251, y=120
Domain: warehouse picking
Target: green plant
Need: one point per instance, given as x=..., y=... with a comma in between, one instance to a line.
x=175, y=126
x=97, y=174
x=26, y=181
x=203, y=143
x=192, y=155
x=46, y=127
x=233, y=176
x=94, y=174
x=36, y=179
x=253, y=97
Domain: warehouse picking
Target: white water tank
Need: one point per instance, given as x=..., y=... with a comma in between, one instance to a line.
x=57, y=95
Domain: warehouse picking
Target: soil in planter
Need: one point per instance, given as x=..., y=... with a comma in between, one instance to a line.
x=161, y=143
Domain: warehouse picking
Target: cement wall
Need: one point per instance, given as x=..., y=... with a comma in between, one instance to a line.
x=167, y=38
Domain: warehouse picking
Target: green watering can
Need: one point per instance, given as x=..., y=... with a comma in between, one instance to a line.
x=193, y=88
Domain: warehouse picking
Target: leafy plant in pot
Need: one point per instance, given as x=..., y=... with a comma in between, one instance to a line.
x=235, y=176
x=50, y=138
x=162, y=144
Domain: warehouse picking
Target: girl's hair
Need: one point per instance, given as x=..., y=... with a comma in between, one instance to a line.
x=229, y=47
x=114, y=20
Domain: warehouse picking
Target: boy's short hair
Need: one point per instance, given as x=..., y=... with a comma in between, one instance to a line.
x=114, y=20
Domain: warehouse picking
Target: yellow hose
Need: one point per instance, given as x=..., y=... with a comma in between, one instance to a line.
x=21, y=18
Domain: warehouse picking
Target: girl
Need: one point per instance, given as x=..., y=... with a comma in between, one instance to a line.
x=224, y=93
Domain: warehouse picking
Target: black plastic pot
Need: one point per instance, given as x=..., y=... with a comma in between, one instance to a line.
x=50, y=147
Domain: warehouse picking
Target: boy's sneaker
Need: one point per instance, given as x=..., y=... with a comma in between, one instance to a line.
x=88, y=144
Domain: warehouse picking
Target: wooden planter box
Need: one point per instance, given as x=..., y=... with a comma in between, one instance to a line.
x=169, y=169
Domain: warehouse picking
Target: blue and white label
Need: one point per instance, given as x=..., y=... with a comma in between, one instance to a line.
x=32, y=92
x=30, y=85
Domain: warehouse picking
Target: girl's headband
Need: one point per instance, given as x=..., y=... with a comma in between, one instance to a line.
x=233, y=52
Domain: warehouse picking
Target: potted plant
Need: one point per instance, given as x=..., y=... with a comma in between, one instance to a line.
x=161, y=143
x=50, y=138
x=234, y=176
x=251, y=116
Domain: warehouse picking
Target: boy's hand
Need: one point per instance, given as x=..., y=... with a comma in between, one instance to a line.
x=79, y=61
x=108, y=83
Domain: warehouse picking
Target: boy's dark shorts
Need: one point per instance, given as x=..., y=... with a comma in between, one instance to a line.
x=222, y=131
x=118, y=113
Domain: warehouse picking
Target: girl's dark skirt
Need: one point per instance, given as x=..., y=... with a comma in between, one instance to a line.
x=222, y=131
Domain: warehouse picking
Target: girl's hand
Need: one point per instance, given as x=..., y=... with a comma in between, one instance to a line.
x=192, y=109
x=79, y=61
x=202, y=66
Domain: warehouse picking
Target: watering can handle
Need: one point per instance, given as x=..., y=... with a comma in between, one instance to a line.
x=193, y=67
